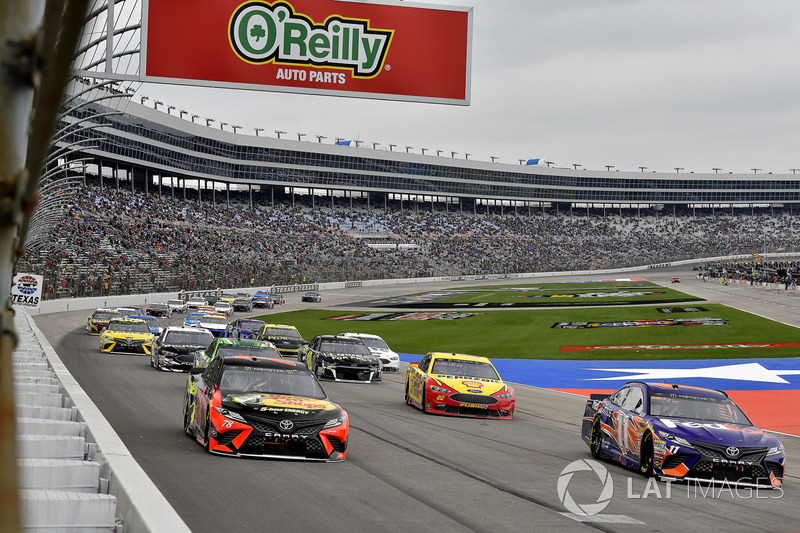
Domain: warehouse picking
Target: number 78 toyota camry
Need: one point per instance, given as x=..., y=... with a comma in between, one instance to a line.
x=682, y=432
x=458, y=384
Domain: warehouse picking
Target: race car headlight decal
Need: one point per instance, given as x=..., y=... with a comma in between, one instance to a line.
x=676, y=440
x=775, y=450
x=440, y=390
x=229, y=414
x=333, y=422
x=505, y=395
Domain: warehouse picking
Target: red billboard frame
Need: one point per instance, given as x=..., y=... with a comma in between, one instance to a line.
x=379, y=49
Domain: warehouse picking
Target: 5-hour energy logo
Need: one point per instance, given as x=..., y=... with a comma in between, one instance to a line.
x=261, y=33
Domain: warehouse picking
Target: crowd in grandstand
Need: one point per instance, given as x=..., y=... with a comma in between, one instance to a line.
x=114, y=241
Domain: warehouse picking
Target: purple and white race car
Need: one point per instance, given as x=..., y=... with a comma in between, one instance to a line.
x=683, y=433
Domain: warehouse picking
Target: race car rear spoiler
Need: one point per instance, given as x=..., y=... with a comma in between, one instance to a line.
x=598, y=396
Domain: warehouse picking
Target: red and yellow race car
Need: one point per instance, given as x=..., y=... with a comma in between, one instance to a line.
x=458, y=384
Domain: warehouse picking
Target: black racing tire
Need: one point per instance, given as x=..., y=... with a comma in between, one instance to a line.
x=422, y=403
x=407, y=397
x=646, y=456
x=207, y=432
x=596, y=439
x=186, y=419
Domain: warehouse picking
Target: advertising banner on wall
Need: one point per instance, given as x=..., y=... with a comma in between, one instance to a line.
x=382, y=50
x=26, y=291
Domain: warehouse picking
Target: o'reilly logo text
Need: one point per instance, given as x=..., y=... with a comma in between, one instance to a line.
x=260, y=32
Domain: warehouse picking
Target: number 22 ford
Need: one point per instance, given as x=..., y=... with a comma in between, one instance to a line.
x=682, y=432
x=457, y=384
x=250, y=406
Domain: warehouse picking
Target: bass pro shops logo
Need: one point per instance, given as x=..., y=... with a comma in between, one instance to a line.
x=260, y=33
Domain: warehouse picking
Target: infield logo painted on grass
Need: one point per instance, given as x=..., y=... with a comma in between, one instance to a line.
x=680, y=346
x=699, y=321
x=369, y=317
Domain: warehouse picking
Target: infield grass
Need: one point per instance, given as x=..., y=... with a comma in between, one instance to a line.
x=528, y=334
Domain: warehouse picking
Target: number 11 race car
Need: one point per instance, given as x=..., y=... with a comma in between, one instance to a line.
x=682, y=432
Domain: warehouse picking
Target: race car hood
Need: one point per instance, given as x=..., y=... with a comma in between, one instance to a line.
x=184, y=348
x=211, y=326
x=470, y=385
x=349, y=359
x=279, y=405
x=720, y=433
x=130, y=335
x=286, y=341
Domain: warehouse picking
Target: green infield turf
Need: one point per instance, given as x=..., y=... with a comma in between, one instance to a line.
x=529, y=334
x=569, y=294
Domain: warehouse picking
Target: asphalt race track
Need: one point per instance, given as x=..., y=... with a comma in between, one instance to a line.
x=409, y=471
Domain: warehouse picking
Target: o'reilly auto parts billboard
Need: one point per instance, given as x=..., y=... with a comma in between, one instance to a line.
x=385, y=50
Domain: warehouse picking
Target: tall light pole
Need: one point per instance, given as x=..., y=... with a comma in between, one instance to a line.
x=453, y=155
x=235, y=128
x=209, y=121
x=548, y=163
x=521, y=161
x=609, y=167
x=319, y=138
x=794, y=170
x=391, y=146
x=156, y=103
x=221, y=124
x=279, y=133
x=494, y=158
x=466, y=155
x=194, y=117
x=257, y=130
x=643, y=168
x=716, y=170
x=423, y=150
x=169, y=109
x=183, y=112
x=576, y=165
x=374, y=145
x=358, y=143
x=144, y=98
x=439, y=152
x=300, y=136
x=408, y=148
x=755, y=170
x=678, y=169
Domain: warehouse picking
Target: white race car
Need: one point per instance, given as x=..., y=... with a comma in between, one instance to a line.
x=378, y=347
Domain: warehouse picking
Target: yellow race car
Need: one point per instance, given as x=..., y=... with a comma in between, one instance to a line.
x=126, y=335
x=458, y=384
x=287, y=339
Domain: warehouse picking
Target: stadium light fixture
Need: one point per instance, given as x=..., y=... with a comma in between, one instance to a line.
x=494, y=158
x=221, y=124
x=169, y=109
x=194, y=117
x=716, y=170
x=209, y=121
x=643, y=168
x=183, y=112
x=453, y=154
x=521, y=161
x=278, y=132
x=439, y=152
x=755, y=170
x=235, y=128
x=257, y=130
x=548, y=163
x=408, y=148
x=320, y=137
x=144, y=98
x=466, y=155
x=156, y=103
x=374, y=144
x=678, y=169
x=794, y=170
x=576, y=165
x=609, y=167
x=423, y=150
x=391, y=146
x=300, y=136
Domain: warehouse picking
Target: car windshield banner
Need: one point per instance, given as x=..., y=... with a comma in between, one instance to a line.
x=386, y=50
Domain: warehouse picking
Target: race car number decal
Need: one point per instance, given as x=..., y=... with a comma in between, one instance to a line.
x=282, y=402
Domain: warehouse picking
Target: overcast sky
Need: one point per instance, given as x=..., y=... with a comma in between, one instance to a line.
x=696, y=84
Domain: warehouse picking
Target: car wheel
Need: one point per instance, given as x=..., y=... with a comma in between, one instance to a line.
x=408, y=398
x=207, y=433
x=424, y=395
x=596, y=439
x=187, y=419
x=646, y=456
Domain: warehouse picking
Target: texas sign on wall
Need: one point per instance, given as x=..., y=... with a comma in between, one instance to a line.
x=384, y=50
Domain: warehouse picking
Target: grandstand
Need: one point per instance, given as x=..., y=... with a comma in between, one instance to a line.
x=164, y=204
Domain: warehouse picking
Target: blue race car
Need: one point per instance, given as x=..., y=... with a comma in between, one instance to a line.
x=243, y=328
x=192, y=319
x=682, y=433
